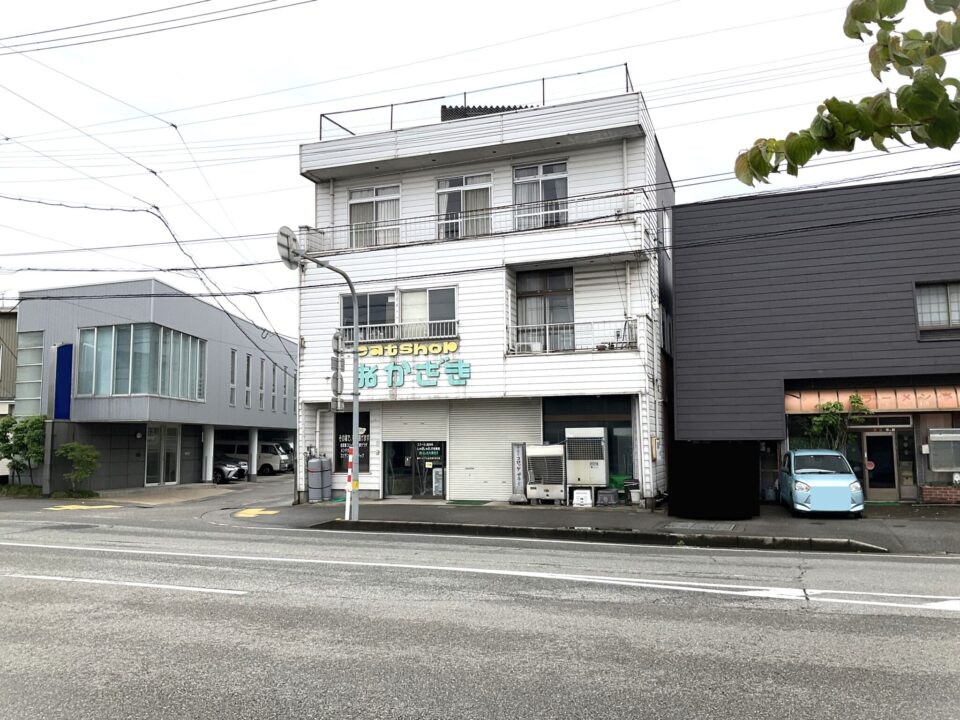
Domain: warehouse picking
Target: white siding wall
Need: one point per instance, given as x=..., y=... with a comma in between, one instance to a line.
x=594, y=169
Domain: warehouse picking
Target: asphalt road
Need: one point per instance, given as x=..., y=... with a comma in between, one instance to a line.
x=176, y=612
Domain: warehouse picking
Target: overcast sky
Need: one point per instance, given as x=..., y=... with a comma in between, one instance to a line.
x=90, y=124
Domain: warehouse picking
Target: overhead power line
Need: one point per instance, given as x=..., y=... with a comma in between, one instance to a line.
x=17, y=48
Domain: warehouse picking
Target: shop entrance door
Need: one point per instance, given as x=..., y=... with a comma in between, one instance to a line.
x=163, y=455
x=880, y=455
x=414, y=469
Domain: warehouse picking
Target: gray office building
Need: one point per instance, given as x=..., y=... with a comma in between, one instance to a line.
x=154, y=378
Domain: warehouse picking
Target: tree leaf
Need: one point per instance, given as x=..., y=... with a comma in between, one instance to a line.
x=854, y=28
x=846, y=111
x=742, y=170
x=759, y=165
x=877, y=140
x=941, y=6
x=937, y=64
x=878, y=60
x=889, y=8
x=864, y=10
x=944, y=131
x=799, y=148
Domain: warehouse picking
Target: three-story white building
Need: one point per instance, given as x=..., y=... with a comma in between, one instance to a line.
x=512, y=268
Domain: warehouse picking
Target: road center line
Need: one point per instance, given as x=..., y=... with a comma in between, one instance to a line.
x=744, y=591
x=124, y=583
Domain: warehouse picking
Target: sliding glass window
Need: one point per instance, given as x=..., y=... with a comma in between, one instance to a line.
x=140, y=359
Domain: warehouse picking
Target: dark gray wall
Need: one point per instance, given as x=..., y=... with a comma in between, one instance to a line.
x=811, y=285
x=122, y=454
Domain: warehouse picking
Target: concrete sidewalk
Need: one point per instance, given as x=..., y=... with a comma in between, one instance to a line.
x=896, y=529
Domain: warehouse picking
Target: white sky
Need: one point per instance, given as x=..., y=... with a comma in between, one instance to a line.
x=712, y=85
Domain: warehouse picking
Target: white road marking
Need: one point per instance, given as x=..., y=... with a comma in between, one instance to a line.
x=124, y=583
x=949, y=603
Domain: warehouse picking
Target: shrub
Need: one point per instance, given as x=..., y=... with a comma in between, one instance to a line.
x=85, y=460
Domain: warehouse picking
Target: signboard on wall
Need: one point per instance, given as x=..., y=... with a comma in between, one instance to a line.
x=343, y=427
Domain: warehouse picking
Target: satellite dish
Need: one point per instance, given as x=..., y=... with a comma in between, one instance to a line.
x=288, y=247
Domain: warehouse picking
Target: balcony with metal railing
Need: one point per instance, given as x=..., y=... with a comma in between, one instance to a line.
x=400, y=332
x=599, y=336
x=618, y=206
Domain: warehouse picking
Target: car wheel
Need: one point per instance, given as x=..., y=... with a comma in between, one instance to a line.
x=217, y=477
x=857, y=515
x=266, y=470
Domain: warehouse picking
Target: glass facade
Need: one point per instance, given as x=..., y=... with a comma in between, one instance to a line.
x=140, y=359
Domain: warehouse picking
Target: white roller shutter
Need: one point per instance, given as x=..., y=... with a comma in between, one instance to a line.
x=481, y=434
x=417, y=420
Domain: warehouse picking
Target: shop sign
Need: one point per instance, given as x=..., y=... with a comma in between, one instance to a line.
x=456, y=372
x=411, y=348
x=429, y=451
x=343, y=426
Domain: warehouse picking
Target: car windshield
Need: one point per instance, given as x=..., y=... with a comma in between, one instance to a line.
x=821, y=464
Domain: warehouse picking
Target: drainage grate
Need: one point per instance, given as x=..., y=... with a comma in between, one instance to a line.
x=713, y=526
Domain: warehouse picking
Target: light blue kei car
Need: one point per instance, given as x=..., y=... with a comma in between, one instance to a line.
x=819, y=481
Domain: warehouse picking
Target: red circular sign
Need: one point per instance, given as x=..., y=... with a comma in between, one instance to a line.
x=870, y=465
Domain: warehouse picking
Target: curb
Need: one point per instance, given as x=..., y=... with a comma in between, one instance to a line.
x=635, y=537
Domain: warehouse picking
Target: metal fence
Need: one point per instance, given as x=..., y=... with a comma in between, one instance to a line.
x=522, y=217
x=572, y=337
x=395, y=332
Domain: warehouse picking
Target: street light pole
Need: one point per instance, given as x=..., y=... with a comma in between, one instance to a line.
x=352, y=509
x=293, y=257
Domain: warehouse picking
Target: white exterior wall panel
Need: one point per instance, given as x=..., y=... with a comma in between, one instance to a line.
x=612, y=117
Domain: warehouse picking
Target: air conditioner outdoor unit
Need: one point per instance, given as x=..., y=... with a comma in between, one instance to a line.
x=529, y=347
x=586, y=457
x=546, y=473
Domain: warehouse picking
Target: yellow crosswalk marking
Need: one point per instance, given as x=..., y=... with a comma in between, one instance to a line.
x=82, y=507
x=254, y=512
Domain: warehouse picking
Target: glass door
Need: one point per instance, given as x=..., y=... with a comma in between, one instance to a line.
x=163, y=455
x=154, y=458
x=398, y=468
x=880, y=461
x=171, y=454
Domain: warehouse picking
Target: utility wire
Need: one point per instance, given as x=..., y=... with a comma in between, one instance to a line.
x=14, y=48
x=102, y=22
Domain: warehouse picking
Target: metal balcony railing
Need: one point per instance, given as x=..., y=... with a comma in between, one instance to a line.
x=522, y=217
x=395, y=332
x=572, y=337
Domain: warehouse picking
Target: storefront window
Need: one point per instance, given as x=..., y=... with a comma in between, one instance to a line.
x=611, y=412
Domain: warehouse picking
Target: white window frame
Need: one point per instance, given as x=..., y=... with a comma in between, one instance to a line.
x=273, y=389
x=535, y=209
x=452, y=229
x=360, y=232
x=233, y=378
x=953, y=318
x=18, y=398
x=263, y=372
x=405, y=333
x=248, y=380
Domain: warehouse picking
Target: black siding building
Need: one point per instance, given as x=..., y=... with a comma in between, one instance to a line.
x=786, y=300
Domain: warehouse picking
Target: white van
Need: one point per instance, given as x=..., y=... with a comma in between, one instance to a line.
x=271, y=458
